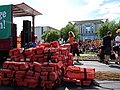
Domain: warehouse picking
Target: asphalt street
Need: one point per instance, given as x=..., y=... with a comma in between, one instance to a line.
x=99, y=85
x=98, y=66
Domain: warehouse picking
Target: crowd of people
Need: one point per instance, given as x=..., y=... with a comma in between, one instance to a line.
x=91, y=45
x=80, y=47
x=107, y=48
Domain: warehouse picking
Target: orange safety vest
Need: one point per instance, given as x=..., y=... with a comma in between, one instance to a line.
x=71, y=40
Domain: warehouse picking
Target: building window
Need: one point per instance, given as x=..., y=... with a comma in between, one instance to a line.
x=82, y=28
x=42, y=30
x=87, y=29
x=92, y=29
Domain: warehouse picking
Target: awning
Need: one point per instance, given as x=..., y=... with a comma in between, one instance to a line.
x=23, y=9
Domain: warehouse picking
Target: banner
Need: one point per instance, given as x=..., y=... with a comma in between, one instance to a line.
x=5, y=21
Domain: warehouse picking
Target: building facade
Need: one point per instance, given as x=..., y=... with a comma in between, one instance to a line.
x=87, y=29
x=39, y=30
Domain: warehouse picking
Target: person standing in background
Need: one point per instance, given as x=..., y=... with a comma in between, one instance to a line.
x=71, y=40
x=117, y=44
x=36, y=38
x=97, y=43
x=61, y=41
x=108, y=44
x=76, y=51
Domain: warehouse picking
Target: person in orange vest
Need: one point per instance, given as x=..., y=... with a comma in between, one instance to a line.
x=71, y=40
x=97, y=43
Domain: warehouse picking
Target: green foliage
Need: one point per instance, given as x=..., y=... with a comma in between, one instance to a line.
x=69, y=27
x=108, y=26
x=51, y=35
x=118, y=25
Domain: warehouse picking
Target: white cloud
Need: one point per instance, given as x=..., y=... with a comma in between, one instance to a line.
x=85, y=11
x=110, y=10
x=111, y=16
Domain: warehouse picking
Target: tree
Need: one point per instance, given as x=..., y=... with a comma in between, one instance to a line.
x=105, y=27
x=118, y=25
x=69, y=27
x=51, y=35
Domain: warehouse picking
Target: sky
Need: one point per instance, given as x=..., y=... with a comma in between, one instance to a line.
x=57, y=13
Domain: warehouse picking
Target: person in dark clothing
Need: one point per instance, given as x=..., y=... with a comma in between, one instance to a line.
x=76, y=50
x=108, y=43
x=101, y=53
x=80, y=43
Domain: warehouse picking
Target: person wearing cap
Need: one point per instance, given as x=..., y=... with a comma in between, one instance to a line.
x=107, y=43
x=117, y=44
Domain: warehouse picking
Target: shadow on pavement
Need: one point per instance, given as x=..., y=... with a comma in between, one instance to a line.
x=71, y=86
x=114, y=66
x=76, y=63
